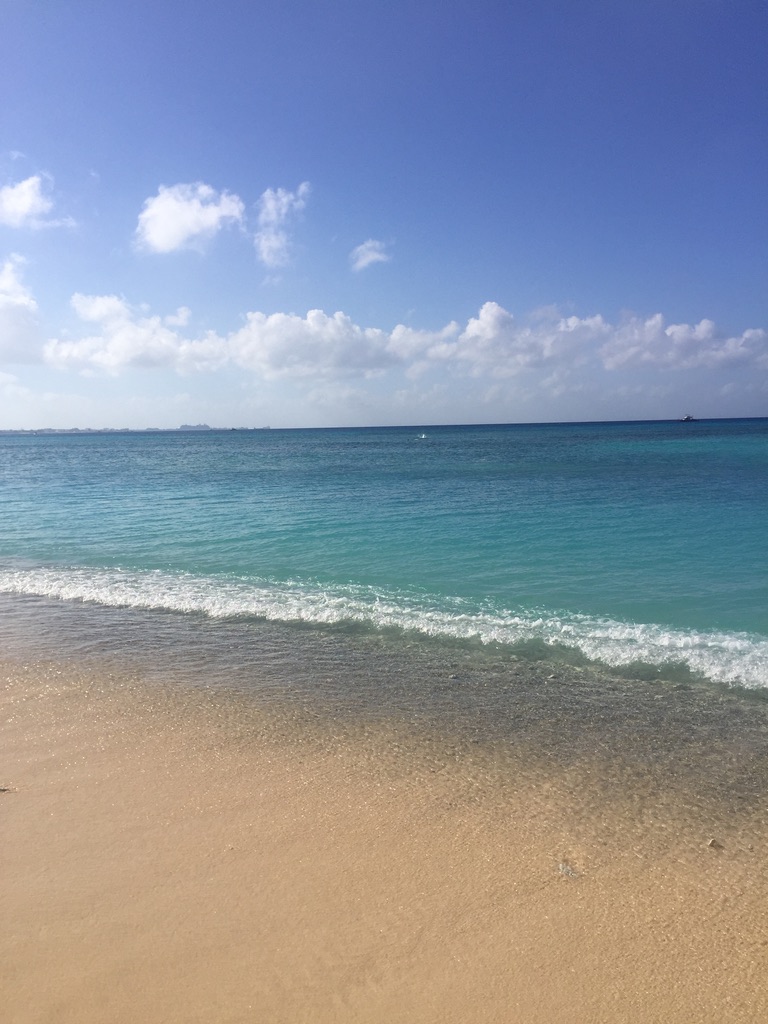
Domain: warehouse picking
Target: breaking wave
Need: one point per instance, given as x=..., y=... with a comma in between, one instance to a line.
x=730, y=658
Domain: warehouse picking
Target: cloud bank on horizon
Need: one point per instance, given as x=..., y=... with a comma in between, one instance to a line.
x=551, y=352
x=318, y=346
x=535, y=265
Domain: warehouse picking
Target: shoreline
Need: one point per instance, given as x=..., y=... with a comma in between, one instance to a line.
x=730, y=657
x=183, y=853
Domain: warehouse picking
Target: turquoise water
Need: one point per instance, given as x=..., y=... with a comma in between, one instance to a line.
x=625, y=543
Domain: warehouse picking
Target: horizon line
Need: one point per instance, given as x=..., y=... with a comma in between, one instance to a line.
x=204, y=428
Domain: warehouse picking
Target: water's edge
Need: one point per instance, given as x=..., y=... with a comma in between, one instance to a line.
x=640, y=649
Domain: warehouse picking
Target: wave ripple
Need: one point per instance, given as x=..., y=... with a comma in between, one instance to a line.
x=734, y=658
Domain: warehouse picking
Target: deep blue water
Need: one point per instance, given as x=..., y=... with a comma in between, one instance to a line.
x=632, y=542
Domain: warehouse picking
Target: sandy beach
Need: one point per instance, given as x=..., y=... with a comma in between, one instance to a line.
x=181, y=854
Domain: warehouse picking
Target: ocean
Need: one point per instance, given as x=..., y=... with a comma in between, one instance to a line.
x=540, y=597
x=630, y=545
x=466, y=715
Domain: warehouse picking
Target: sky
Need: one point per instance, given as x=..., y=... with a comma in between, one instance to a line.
x=362, y=212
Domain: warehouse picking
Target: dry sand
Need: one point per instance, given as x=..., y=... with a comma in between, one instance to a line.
x=185, y=856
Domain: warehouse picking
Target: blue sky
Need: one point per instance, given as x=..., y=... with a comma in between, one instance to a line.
x=372, y=212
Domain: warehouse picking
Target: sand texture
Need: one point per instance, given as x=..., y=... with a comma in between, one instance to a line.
x=185, y=856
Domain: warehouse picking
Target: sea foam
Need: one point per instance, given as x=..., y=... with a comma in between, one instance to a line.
x=734, y=658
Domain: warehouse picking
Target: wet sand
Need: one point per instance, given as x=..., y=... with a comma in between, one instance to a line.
x=179, y=854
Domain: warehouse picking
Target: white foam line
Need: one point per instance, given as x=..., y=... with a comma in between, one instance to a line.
x=733, y=658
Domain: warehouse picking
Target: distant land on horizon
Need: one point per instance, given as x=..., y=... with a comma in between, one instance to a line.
x=122, y=430
x=203, y=427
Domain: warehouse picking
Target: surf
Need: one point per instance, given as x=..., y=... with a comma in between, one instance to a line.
x=725, y=657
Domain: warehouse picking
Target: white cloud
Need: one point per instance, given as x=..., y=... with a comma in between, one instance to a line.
x=275, y=208
x=185, y=215
x=25, y=205
x=495, y=344
x=418, y=349
x=410, y=343
x=12, y=291
x=19, y=328
x=21, y=205
x=98, y=308
x=127, y=339
x=178, y=319
x=278, y=345
x=649, y=342
x=543, y=358
x=318, y=345
x=367, y=253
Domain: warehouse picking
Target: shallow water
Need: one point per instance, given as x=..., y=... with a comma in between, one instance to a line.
x=508, y=715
